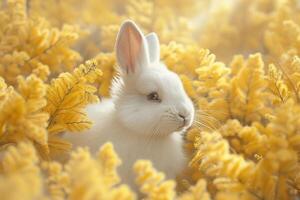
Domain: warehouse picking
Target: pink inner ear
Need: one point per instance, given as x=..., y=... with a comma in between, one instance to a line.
x=130, y=47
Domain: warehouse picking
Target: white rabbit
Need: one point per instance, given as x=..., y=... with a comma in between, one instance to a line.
x=148, y=112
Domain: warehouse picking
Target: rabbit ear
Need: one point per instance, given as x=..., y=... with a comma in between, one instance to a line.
x=154, y=49
x=131, y=48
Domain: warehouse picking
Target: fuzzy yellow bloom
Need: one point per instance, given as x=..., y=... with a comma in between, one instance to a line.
x=23, y=120
x=152, y=182
x=19, y=170
x=95, y=179
x=67, y=96
x=196, y=192
x=239, y=61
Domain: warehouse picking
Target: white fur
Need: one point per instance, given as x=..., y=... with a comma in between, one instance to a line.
x=138, y=127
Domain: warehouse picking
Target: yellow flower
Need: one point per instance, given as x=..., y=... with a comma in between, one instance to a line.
x=67, y=97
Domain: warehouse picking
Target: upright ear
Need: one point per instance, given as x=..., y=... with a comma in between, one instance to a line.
x=154, y=49
x=131, y=48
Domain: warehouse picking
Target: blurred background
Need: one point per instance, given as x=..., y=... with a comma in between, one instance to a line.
x=225, y=27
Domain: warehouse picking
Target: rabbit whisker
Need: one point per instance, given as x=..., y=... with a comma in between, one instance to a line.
x=208, y=122
x=200, y=124
x=212, y=110
x=207, y=116
x=154, y=130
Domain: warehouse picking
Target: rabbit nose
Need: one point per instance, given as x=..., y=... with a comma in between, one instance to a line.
x=182, y=117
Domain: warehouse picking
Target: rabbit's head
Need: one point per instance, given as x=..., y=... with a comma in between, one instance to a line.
x=149, y=99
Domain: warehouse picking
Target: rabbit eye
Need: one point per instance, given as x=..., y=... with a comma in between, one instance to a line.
x=153, y=96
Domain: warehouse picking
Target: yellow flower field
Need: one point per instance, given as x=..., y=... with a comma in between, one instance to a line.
x=239, y=61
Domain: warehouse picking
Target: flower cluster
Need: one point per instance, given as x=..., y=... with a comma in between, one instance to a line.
x=238, y=60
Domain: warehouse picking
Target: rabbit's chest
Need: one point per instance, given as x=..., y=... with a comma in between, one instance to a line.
x=166, y=154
